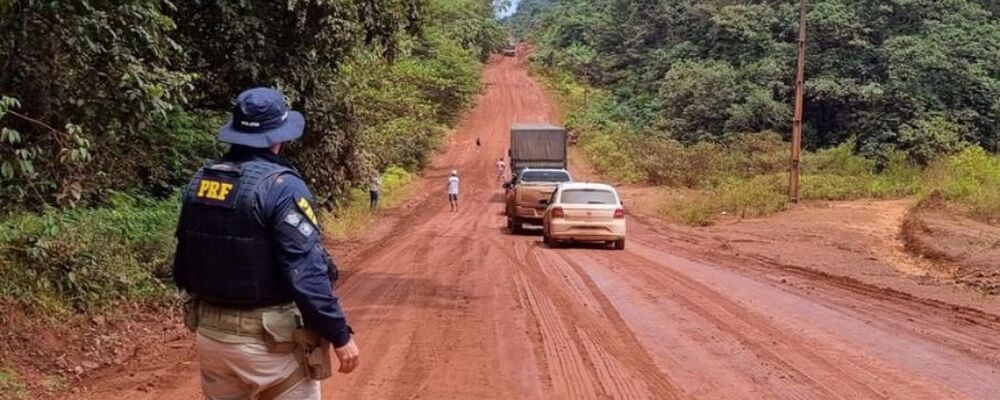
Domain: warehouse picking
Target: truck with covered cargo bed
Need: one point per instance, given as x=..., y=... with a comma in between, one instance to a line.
x=539, y=146
x=538, y=163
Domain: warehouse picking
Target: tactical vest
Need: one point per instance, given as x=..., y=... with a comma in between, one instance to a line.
x=229, y=253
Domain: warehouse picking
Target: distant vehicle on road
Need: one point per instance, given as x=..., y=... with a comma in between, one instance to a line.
x=509, y=50
x=584, y=212
x=527, y=193
x=537, y=146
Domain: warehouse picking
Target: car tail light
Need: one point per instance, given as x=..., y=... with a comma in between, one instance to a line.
x=558, y=213
x=619, y=213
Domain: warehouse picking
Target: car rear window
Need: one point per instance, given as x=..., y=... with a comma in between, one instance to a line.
x=544, y=176
x=588, y=196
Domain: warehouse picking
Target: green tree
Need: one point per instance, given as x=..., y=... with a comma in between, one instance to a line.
x=705, y=68
x=93, y=79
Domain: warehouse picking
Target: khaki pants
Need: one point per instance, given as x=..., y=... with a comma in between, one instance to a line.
x=240, y=371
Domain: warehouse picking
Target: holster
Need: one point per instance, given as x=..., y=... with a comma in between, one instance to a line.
x=191, y=313
x=279, y=330
x=313, y=351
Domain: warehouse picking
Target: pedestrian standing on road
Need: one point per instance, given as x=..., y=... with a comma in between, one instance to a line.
x=478, y=144
x=375, y=190
x=258, y=283
x=453, y=190
x=501, y=170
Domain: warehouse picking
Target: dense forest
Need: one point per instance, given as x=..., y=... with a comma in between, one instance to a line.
x=108, y=107
x=902, y=97
x=918, y=76
x=105, y=96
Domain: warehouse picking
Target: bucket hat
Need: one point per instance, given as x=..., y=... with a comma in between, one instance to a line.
x=262, y=119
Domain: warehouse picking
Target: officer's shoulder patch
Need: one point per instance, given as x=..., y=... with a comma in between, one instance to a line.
x=306, y=229
x=296, y=227
x=307, y=210
x=293, y=218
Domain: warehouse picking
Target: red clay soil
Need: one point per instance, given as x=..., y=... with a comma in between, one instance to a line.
x=449, y=305
x=969, y=250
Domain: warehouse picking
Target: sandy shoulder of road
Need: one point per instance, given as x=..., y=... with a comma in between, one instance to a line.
x=956, y=260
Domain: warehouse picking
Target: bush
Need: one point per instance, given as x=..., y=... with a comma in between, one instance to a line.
x=354, y=213
x=690, y=209
x=744, y=198
x=970, y=178
x=754, y=197
x=80, y=259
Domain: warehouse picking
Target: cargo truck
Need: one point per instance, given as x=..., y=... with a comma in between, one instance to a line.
x=538, y=164
x=540, y=146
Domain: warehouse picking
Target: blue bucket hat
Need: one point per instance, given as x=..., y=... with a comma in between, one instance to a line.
x=262, y=119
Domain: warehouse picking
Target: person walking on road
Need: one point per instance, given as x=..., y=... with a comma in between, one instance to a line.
x=501, y=170
x=478, y=144
x=250, y=260
x=375, y=190
x=453, y=190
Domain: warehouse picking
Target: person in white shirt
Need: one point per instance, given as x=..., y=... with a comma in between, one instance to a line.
x=501, y=170
x=375, y=191
x=453, y=190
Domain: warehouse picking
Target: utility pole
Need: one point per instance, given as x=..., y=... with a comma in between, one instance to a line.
x=793, y=179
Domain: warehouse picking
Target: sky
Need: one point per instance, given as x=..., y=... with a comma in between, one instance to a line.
x=510, y=10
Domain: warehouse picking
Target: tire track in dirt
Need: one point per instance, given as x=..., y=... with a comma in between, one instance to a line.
x=763, y=350
x=923, y=317
x=622, y=368
x=867, y=341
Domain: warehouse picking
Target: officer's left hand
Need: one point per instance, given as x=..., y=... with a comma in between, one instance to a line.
x=348, y=355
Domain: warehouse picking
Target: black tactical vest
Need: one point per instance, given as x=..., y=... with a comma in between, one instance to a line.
x=229, y=253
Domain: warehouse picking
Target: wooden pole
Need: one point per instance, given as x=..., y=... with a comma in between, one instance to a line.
x=793, y=180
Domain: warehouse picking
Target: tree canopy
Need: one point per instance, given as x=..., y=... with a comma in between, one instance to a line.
x=921, y=76
x=99, y=96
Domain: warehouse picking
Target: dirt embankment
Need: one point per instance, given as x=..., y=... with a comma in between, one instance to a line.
x=926, y=251
x=51, y=358
x=966, y=249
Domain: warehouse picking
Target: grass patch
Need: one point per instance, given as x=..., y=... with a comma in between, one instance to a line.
x=744, y=198
x=11, y=385
x=970, y=179
x=355, y=212
x=60, y=261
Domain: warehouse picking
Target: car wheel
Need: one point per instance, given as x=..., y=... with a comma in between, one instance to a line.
x=515, y=225
x=620, y=244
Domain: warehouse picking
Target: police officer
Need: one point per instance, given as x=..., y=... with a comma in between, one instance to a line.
x=250, y=256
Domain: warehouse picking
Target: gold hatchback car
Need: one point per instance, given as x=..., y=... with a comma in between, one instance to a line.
x=584, y=212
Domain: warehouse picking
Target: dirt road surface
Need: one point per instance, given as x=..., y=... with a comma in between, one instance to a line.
x=450, y=305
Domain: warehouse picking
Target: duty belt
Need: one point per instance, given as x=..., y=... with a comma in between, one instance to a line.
x=244, y=323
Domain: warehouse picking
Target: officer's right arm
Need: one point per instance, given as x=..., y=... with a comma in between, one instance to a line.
x=303, y=259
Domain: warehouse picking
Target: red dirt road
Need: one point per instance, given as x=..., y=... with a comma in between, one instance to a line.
x=449, y=305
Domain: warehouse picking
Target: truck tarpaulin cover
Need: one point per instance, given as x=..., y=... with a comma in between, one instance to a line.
x=538, y=142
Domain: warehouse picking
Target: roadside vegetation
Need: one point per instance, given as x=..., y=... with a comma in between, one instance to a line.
x=11, y=386
x=970, y=179
x=105, y=116
x=901, y=98
x=355, y=214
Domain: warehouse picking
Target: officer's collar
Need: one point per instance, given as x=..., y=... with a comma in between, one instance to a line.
x=240, y=154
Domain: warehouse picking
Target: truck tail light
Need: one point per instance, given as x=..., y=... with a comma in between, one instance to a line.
x=619, y=213
x=558, y=213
